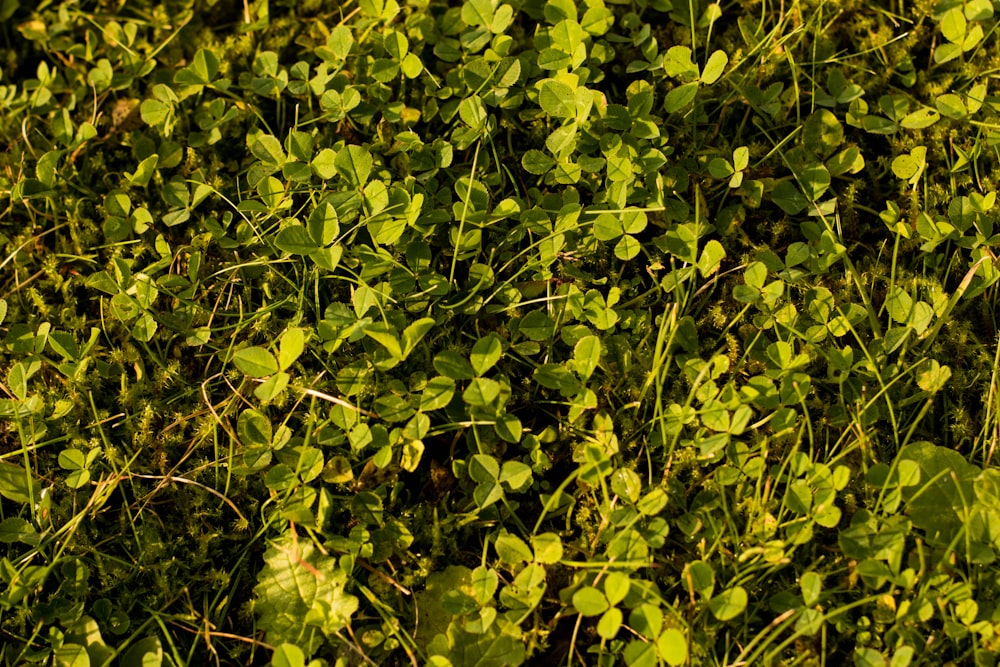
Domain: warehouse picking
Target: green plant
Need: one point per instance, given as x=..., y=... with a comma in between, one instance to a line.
x=497, y=332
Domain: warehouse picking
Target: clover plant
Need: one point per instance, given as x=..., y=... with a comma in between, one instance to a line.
x=498, y=332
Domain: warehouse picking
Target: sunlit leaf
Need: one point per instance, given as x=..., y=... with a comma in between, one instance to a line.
x=729, y=604
x=256, y=362
x=300, y=595
x=354, y=164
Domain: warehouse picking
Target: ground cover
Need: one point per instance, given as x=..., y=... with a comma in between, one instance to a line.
x=499, y=332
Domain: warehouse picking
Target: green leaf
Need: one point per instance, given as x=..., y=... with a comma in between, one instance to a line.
x=511, y=549
x=920, y=119
x=481, y=392
x=680, y=97
x=288, y=655
x=933, y=376
x=951, y=105
x=672, y=646
x=71, y=655
x=911, y=167
x=567, y=35
x=17, y=378
x=396, y=45
x=16, y=529
x=340, y=41
x=814, y=180
x=627, y=248
x=18, y=485
x=290, y=346
x=477, y=12
x=272, y=193
x=789, y=198
x=508, y=428
x=153, y=112
x=300, y=595
x=627, y=484
x=607, y=227
x=324, y=224
x=953, y=25
x=272, y=387
x=536, y=325
x=325, y=164
x=678, y=62
x=453, y=365
x=515, y=474
x=711, y=258
x=256, y=362
x=438, y=393
x=701, y=578
x=415, y=332
x=486, y=353
x=811, y=584
x=327, y=258
x=823, y=133
x=386, y=336
x=536, y=162
x=741, y=158
x=486, y=494
x=589, y=601
x=646, y=619
x=847, y=161
x=554, y=59
x=556, y=98
x=354, y=164
x=720, y=168
x=384, y=70
x=555, y=376
x=879, y=125
x=72, y=459
x=714, y=67
x=144, y=171
x=268, y=149
x=501, y=19
x=548, y=548
x=411, y=66
x=610, y=623
x=376, y=198
x=295, y=240
x=867, y=657
x=254, y=428
x=201, y=71
x=586, y=356
x=499, y=645
x=640, y=653
x=652, y=503
x=729, y=604
x=483, y=468
x=616, y=586
x=147, y=652
x=473, y=112
x=899, y=304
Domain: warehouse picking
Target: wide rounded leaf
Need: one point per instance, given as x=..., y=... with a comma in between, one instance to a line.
x=256, y=362
x=557, y=99
x=300, y=595
x=673, y=646
x=354, y=164
x=729, y=604
x=486, y=353
x=714, y=67
x=589, y=601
